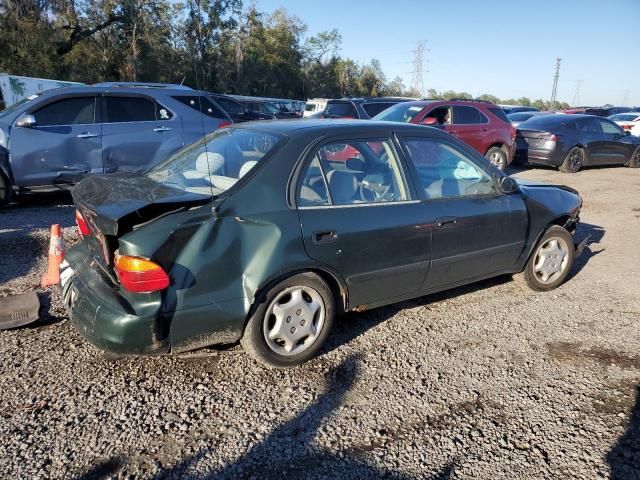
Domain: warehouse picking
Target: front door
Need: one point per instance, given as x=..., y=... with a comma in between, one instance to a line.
x=360, y=216
x=476, y=230
x=137, y=133
x=63, y=145
x=614, y=151
x=471, y=126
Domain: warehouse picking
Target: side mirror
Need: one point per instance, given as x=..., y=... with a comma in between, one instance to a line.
x=430, y=121
x=508, y=185
x=26, y=121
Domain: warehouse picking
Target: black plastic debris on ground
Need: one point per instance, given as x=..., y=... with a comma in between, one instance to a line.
x=18, y=310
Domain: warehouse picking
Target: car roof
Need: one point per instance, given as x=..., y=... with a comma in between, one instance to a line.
x=332, y=126
x=121, y=89
x=371, y=99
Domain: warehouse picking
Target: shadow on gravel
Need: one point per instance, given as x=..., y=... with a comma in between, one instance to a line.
x=624, y=457
x=287, y=452
x=597, y=234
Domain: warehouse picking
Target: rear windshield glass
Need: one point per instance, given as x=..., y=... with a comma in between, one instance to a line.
x=545, y=121
x=520, y=116
x=400, y=112
x=624, y=117
x=340, y=110
x=214, y=164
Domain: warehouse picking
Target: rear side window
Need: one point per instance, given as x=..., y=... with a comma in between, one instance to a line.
x=373, y=109
x=70, y=111
x=589, y=125
x=202, y=104
x=229, y=105
x=340, y=110
x=463, y=115
x=498, y=112
x=128, y=109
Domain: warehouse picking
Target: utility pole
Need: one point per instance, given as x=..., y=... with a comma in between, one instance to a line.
x=417, y=83
x=554, y=92
x=576, y=95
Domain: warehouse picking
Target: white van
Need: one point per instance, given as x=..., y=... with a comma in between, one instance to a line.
x=314, y=107
x=14, y=88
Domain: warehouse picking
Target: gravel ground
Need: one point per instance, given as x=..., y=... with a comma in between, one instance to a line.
x=488, y=381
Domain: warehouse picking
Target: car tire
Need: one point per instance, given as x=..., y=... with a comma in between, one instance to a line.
x=5, y=189
x=553, y=253
x=573, y=161
x=634, y=161
x=277, y=326
x=497, y=157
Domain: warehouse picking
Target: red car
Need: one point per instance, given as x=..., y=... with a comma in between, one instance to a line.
x=482, y=125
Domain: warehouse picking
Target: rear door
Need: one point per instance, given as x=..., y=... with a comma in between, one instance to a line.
x=64, y=145
x=361, y=217
x=614, y=151
x=137, y=132
x=472, y=127
x=477, y=231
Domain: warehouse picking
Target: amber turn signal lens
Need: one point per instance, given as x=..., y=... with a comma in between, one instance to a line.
x=140, y=275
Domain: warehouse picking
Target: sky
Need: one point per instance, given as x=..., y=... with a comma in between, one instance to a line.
x=504, y=48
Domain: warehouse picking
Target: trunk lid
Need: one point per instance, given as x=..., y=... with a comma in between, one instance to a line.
x=112, y=205
x=529, y=138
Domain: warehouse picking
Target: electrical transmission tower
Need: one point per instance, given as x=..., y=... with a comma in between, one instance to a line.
x=417, y=83
x=554, y=92
x=576, y=95
x=625, y=98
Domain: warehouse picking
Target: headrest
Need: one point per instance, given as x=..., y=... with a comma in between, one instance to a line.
x=209, y=162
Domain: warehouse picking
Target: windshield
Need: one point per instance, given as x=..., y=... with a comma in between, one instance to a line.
x=270, y=107
x=400, y=112
x=214, y=164
x=16, y=106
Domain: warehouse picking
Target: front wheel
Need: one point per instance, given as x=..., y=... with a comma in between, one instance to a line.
x=550, y=262
x=573, y=161
x=291, y=321
x=634, y=161
x=497, y=157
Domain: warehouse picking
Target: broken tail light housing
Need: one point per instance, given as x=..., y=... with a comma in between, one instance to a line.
x=82, y=225
x=140, y=275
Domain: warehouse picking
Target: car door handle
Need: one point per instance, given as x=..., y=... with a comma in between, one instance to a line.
x=87, y=135
x=325, y=237
x=161, y=129
x=442, y=221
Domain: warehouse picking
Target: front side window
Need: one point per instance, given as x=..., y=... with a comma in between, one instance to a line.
x=441, y=114
x=463, y=115
x=589, y=125
x=354, y=172
x=445, y=172
x=401, y=112
x=128, y=109
x=214, y=164
x=373, y=109
x=70, y=111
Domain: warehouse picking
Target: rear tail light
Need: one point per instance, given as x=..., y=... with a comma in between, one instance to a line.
x=140, y=275
x=82, y=225
x=550, y=141
x=225, y=124
x=627, y=127
x=513, y=133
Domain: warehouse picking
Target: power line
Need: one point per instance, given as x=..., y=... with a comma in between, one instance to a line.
x=554, y=92
x=417, y=82
x=576, y=96
x=625, y=98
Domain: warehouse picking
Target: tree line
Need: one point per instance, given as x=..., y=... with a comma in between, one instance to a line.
x=215, y=45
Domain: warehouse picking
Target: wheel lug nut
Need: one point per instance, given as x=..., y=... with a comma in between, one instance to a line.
x=302, y=322
x=293, y=329
x=298, y=312
x=288, y=319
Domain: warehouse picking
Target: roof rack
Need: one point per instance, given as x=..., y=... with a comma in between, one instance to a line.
x=142, y=85
x=455, y=99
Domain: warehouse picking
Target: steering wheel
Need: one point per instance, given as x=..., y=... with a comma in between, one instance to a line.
x=375, y=192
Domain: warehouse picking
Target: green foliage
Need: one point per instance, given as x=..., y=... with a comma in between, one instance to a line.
x=214, y=45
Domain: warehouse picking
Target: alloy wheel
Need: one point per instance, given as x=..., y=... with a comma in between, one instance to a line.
x=576, y=158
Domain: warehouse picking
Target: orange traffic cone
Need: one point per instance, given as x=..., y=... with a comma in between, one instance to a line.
x=56, y=255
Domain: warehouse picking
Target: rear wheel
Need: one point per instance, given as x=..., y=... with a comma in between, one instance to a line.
x=497, y=157
x=573, y=161
x=5, y=189
x=550, y=262
x=634, y=161
x=291, y=321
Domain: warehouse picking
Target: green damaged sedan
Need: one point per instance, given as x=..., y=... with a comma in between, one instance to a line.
x=265, y=233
